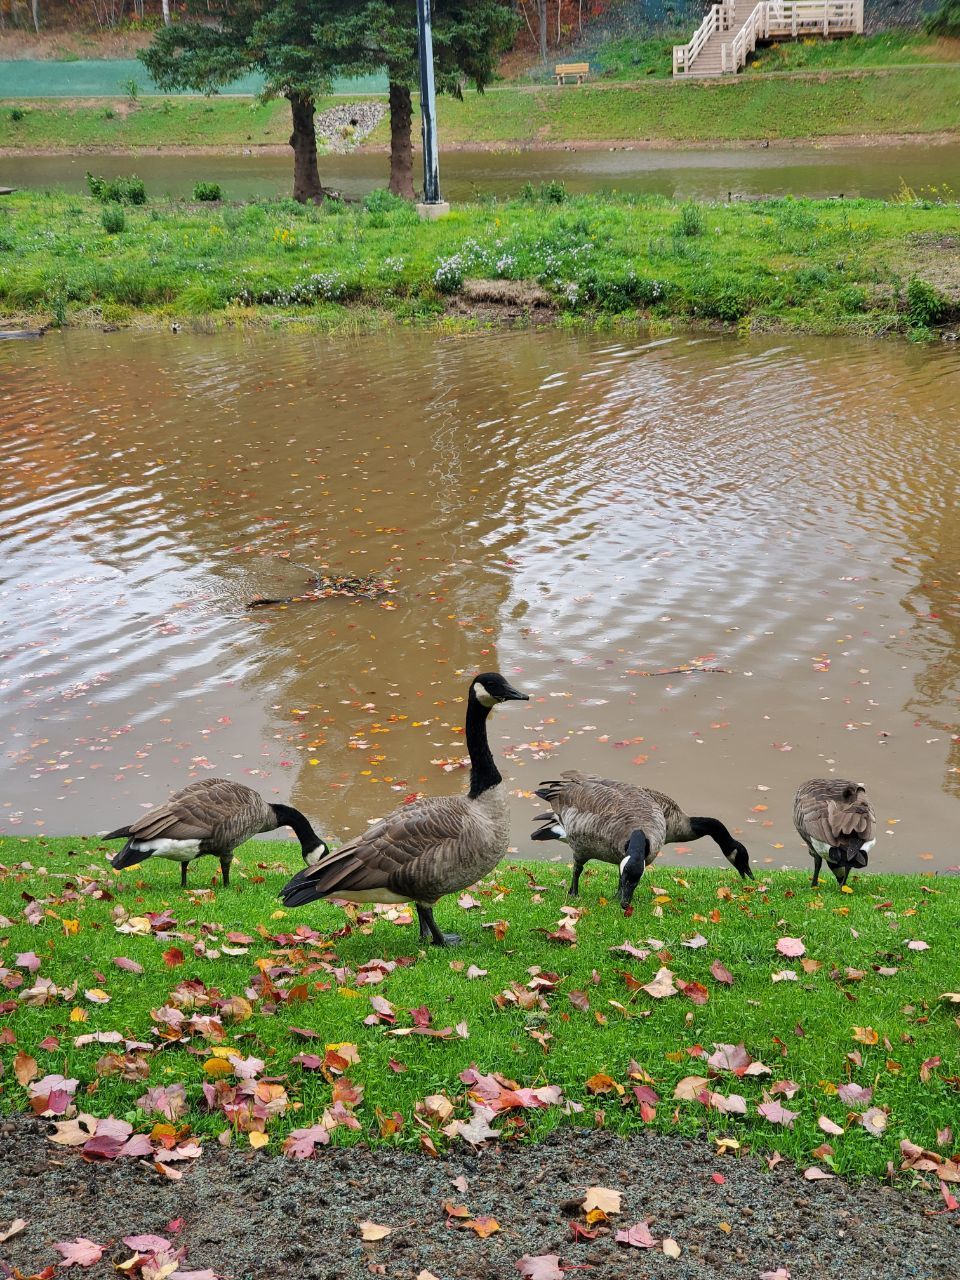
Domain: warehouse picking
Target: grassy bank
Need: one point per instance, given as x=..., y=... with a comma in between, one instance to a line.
x=919, y=100
x=90, y=953
x=812, y=266
x=633, y=57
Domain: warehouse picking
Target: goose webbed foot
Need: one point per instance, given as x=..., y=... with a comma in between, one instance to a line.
x=430, y=931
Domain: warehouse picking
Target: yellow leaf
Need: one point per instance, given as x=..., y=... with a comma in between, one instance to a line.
x=865, y=1035
x=97, y=995
x=224, y=1051
x=349, y=993
x=845, y=888
x=606, y=1199
x=258, y=1139
x=278, y=915
x=70, y=926
x=725, y=1227
x=217, y=1067
x=373, y=1231
x=78, y=1015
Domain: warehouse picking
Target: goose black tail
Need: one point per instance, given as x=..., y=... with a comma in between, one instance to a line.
x=551, y=830
x=121, y=833
x=303, y=888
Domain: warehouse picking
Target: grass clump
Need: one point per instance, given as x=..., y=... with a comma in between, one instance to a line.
x=112, y=219
x=858, y=1003
x=120, y=190
x=208, y=191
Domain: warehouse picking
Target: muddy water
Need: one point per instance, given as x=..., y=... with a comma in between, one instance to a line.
x=584, y=513
x=871, y=171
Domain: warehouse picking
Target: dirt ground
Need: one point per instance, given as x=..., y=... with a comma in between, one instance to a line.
x=249, y=1215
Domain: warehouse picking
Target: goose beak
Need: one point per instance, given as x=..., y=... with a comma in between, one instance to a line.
x=514, y=695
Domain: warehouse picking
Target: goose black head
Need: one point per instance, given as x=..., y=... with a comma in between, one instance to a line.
x=490, y=688
x=739, y=859
x=632, y=867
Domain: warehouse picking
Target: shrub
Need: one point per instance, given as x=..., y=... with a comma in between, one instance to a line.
x=108, y=114
x=7, y=242
x=17, y=114
x=207, y=191
x=690, y=222
x=133, y=88
x=118, y=190
x=382, y=201
x=552, y=192
x=853, y=299
x=945, y=21
x=925, y=305
x=112, y=218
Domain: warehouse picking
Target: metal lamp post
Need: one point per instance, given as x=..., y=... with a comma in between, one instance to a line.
x=432, y=205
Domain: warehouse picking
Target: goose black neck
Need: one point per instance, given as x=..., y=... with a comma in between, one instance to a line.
x=714, y=828
x=484, y=773
x=287, y=816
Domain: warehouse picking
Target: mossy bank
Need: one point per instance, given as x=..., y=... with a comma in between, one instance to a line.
x=826, y=267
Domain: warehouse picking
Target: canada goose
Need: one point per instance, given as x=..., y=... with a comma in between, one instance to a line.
x=618, y=822
x=434, y=846
x=836, y=822
x=212, y=816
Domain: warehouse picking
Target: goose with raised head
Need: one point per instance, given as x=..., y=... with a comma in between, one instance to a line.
x=837, y=823
x=213, y=816
x=432, y=847
x=623, y=824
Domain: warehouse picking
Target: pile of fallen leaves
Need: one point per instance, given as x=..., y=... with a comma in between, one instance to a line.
x=321, y=586
x=151, y=1257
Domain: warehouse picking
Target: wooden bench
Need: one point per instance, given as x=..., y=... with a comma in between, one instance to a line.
x=579, y=69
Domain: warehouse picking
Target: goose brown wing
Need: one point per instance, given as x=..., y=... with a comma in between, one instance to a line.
x=213, y=809
x=824, y=811
x=603, y=809
x=415, y=852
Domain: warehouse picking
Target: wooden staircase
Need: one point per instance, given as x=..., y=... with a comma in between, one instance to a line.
x=728, y=35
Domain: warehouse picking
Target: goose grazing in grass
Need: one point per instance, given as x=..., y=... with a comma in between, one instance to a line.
x=836, y=821
x=627, y=825
x=211, y=817
x=432, y=847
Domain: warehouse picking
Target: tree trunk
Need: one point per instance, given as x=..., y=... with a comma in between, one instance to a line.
x=542, y=18
x=35, y=9
x=401, y=146
x=306, y=175
x=166, y=12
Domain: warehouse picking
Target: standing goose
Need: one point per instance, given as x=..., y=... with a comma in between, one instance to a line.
x=435, y=846
x=836, y=822
x=212, y=816
x=620, y=823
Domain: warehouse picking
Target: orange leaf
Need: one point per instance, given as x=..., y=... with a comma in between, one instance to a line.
x=24, y=1068
x=865, y=1035
x=172, y=957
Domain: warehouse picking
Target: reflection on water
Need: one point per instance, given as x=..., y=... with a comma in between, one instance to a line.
x=870, y=171
x=582, y=512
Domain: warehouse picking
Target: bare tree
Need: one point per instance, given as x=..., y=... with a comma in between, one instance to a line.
x=166, y=12
x=35, y=7
x=542, y=19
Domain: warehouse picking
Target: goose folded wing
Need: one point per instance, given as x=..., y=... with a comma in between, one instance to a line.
x=172, y=821
x=414, y=854
x=852, y=819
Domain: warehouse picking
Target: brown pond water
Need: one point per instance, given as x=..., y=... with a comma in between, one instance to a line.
x=709, y=174
x=580, y=512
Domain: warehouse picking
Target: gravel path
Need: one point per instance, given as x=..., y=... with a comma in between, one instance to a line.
x=248, y=1215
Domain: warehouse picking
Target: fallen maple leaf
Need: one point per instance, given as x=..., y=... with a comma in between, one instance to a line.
x=173, y=956
x=601, y=1083
x=792, y=947
x=545, y=1266
x=695, y=991
x=781, y=1273
x=776, y=1113
x=721, y=973
x=147, y=1243
x=80, y=1252
x=25, y=1068
x=874, y=1120
x=606, y=1199
x=14, y=1229
x=373, y=1230
x=828, y=1126
x=813, y=1174
x=638, y=1237
x=689, y=1088
x=483, y=1226
x=661, y=985
x=865, y=1035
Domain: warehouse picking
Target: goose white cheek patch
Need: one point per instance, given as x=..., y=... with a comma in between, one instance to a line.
x=485, y=698
x=623, y=863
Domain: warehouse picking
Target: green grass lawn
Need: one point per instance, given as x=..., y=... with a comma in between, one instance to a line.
x=869, y=100
x=814, y=266
x=863, y=1006
x=885, y=49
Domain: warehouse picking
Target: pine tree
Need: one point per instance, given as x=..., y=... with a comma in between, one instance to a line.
x=231, y=38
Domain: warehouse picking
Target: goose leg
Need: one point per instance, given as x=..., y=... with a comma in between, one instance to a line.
x=225, y=871
x=429, y=930
x=817, y=864
x=575, y=879
x=183, y=875
x=841, y=871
